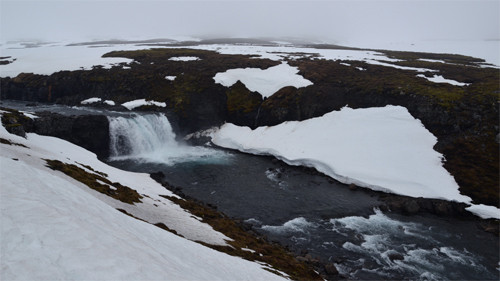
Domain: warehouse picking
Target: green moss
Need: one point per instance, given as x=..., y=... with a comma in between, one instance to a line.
x=96, y=182
x=240, y=99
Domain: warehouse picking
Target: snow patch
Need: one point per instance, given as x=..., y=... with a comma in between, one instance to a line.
x=267, y=81
x=441, y=79
x=431, y=60
x=171, y=78
x=91, y=100
x=29, y=114
x=140, y=102
x=485, y=211
x=417, y=69
x=109, y=102
x=186, y=58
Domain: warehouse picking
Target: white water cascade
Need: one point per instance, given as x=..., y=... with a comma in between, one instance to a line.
x=150, y=138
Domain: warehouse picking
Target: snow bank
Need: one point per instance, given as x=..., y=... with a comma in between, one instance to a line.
x=50, y=58
x=441, y=79
x=140, y=102
x=56, y=228
x=184, y=58
x=379, y=148
x=267, y=81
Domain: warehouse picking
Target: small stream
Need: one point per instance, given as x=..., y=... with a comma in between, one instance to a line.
x=306, y=211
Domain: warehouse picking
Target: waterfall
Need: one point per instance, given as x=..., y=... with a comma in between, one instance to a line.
x=150, y=138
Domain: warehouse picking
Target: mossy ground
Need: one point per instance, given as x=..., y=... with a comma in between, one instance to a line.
x=8, y=142
x=97, y=182
x=272, y=254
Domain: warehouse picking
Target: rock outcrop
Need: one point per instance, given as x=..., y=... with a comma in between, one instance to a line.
x=88, y=131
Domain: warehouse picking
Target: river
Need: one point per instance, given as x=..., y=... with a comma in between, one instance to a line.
x=302, y=209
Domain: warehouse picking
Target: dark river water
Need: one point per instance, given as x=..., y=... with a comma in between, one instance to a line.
x=310, y=212
x=307, y=211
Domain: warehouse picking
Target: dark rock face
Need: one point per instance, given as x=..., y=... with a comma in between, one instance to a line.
x=88, y=131
x=242, y=105
x=410, y=206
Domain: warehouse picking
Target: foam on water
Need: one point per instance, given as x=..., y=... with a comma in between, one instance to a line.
x=299, y=224
x=274, y=175
x=150, y=138
x=383, y=243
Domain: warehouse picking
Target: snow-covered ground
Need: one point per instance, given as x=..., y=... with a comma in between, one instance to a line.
x=56, y=228
x=52, y=57
x=489, y=50
x=383, y=149
x=267, y=81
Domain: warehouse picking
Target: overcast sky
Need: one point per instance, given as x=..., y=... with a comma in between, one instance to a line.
x=333, y=21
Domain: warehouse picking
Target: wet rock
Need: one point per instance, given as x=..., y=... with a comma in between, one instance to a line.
x=16, y=129
x=330, y=269
x=15, y=122
x=411, y=207
x=395, y=256
x=442, y=208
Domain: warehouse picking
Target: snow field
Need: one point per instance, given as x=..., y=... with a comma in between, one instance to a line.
x=53, y=57
x=383, y=149
x=55, y=227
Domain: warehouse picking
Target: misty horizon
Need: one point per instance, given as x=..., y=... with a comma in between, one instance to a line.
x=325, y=21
